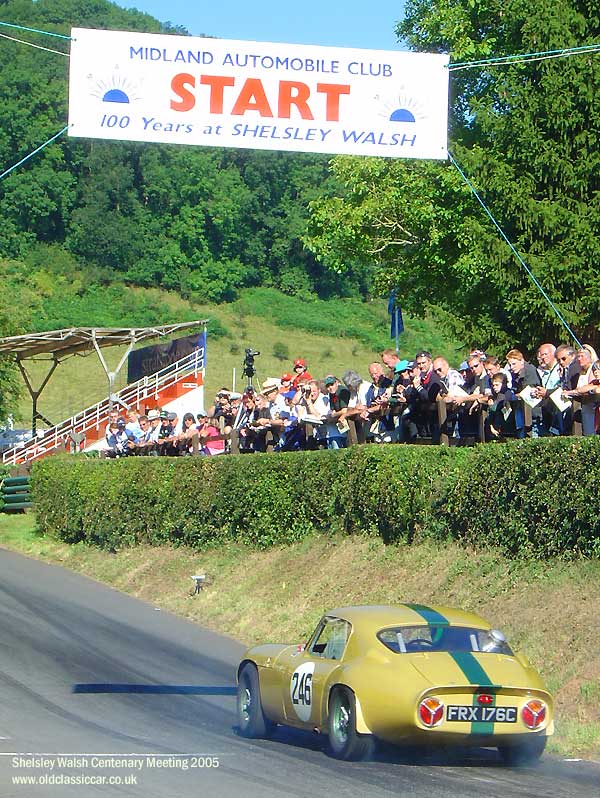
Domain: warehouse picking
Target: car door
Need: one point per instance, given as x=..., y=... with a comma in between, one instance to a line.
x=307, y=674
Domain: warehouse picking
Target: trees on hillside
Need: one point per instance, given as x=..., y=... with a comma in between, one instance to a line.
x=527, y=135
x=202, y=221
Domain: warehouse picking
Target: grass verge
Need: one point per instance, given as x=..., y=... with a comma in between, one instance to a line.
x=548, y=610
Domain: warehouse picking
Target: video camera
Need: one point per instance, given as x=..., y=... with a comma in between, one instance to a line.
x=249, y=370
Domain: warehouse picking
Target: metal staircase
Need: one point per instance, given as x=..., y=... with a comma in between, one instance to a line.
x=87, y=427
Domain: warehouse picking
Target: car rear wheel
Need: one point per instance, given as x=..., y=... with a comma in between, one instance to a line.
x=251, y=718
x=526, y=753
x=344, y=741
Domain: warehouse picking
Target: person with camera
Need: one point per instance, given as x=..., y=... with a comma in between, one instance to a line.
x=245, y=425
x=421, y=420
x=337, y=426
x=385, y=401
x=167, y=440
x=118, y=438
x=292, y=437
x=271, y=405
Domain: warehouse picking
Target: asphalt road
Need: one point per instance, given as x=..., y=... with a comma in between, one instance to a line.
x=95, y=685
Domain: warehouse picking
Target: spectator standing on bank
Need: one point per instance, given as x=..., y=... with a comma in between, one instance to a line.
x=300, y=372
x=502, y=420
x=336, y=417
x=390, y=357
x=285, y=383
x=550, y=376
x=586, y=396
x=167, y=444
x=470, y=405
x=376, y=401
x=421, y=419
x=188, y=430
x=118, y=439
x=291, y=433
x=315, y=403
x=523, y=375
x=358, y=390
x=210, y=438
x=133, y=425
x=569, y=366
x=451, y=378
x=493, y=366
x=569, y=376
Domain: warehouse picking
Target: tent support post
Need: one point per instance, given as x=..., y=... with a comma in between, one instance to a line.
x=35, y=394
x=112, y=375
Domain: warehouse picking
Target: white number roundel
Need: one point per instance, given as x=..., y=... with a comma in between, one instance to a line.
x=301, y=690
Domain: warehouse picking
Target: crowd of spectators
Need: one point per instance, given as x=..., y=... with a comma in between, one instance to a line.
x=483, y=400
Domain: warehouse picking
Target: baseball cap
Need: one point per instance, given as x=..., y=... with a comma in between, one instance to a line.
x=329, y=380
x=171, y=416
x=300, y=362
x=464, y=366
x=289, y=394
x=153, y=414
x=286, y=377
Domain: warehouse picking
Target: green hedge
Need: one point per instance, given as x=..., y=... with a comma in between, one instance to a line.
x=533, y=497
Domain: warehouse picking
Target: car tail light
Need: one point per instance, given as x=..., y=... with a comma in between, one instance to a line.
x=431, y=711
x=534, y=714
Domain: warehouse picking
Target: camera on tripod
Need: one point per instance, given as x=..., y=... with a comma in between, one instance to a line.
x=249, y=370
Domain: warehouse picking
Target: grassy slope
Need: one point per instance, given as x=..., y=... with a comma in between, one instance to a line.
x=547, y=610
x=333, y=336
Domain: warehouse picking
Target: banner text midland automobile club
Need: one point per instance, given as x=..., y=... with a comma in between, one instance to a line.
x=260, y=95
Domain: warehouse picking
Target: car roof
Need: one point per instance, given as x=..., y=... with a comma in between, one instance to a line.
x=382, y=615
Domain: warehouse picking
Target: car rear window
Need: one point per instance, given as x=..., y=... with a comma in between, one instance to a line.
x=411, y=639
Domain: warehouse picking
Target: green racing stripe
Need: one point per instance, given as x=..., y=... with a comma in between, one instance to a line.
x=429, y=615
x=471, y=668
x=475, y=673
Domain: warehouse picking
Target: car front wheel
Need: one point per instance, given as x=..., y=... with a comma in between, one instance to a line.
x=526, y=753
x=251, y=718
x=344, y=741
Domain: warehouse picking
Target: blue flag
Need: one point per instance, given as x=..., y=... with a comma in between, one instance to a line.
x=397, y=322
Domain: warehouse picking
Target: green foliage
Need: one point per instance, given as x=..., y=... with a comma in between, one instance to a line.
x=10, y=381
x=532, y=498
x=367, y=322
x=281, y=351
x=527, y=136
x=204, y=222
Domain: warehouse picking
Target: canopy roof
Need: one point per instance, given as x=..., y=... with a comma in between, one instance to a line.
x=82, y=340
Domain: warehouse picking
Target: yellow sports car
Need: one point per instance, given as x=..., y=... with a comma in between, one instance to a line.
x=405, y=674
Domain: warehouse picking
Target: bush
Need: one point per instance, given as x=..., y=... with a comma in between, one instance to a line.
x=531, y=497
x=534, y=498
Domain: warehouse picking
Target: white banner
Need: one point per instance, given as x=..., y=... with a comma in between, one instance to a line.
x=213, y=92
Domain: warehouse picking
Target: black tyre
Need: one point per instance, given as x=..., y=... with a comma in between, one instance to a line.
x=251, y=718
x=344, y=741
x=526, y=753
